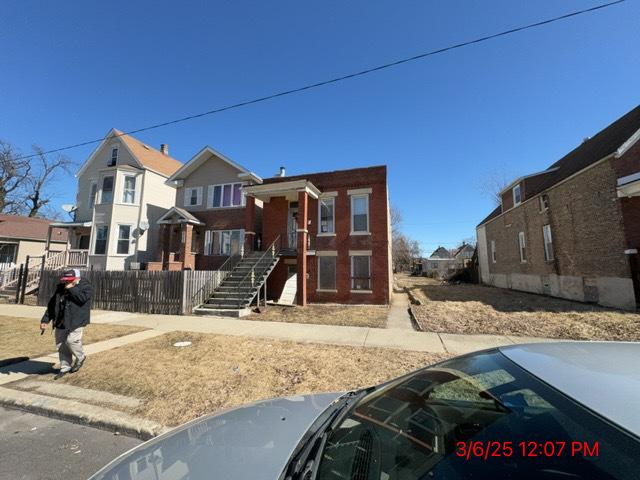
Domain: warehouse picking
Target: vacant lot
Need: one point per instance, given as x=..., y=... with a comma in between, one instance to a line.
x=21, y=337
x=355, y=316
x=476, y=309
x=215, y=372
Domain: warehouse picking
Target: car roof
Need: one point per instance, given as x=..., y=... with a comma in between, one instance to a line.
x=602, y=376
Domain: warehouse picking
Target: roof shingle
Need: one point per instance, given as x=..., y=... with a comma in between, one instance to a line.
x=14, y=226
x=149, y=156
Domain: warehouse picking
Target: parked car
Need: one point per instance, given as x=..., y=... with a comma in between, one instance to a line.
x=541, y=411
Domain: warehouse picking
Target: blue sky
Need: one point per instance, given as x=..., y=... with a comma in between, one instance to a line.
x=74, y=69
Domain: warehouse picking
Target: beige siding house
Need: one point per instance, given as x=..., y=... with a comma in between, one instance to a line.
x=122, y=192
x=207, y=224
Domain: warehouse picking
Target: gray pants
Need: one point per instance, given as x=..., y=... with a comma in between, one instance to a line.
x=69, y=343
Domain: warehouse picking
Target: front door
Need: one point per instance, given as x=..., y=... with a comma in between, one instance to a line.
x=292, y=226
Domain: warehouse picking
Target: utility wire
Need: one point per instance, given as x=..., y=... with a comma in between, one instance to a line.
x=338, y=79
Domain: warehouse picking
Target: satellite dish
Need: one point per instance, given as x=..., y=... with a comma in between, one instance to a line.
x=144, y=225
x=67, y=207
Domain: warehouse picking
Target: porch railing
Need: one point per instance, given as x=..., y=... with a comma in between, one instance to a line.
x=249, y=280
x=77, y=258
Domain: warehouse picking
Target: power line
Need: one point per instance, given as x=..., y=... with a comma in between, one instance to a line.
x=339, y=79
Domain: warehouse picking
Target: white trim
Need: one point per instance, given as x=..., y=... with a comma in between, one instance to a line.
x=520, y=179
x=362, y=291
x=326, y=235
x=135, y=188
x=325, y=290
x=549, y=256
x=631, y=251
x=111, y=136
x=326, y=253
x=95, y=239
x=351, y=258
x=628, y=144
x=628, y=179
x=211, y=189
x=359, y=233
x=200, y=157
x=366, y=197
x=113, y=189
x=92, y=183
x=333, y=219
x=360, y=191
x=513, y=193
x=187, y=196
x=361, y=253
x=277, y=189
x=522, y=244
x=117, y=238
x=328, y=194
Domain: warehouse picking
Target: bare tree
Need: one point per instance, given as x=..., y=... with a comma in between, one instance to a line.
x=25, y=184
x=396, y=219
x=13, y=173
x=36, y=194
x=493, y=182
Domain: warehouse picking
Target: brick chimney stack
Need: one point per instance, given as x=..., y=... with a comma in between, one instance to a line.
x=164, y=148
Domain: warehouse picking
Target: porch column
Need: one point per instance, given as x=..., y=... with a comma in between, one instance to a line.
x=167, y=251
x=49, y=230
x=249, y=224
x=303, y=203
x=185, y=248
x=162, y=252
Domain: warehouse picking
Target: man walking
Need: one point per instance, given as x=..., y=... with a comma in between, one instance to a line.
x=69, y=310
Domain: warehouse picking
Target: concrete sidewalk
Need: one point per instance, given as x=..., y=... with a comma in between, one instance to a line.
x=298, y=332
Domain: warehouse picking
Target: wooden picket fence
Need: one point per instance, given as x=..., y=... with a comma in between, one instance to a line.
x=163, y=292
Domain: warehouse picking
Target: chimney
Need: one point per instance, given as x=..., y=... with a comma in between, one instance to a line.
x=282, y=172
x=164, y=148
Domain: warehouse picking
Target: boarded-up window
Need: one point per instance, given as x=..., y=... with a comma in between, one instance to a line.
x=326, y=273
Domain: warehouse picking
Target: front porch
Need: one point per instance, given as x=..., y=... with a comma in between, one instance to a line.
x=76, y=255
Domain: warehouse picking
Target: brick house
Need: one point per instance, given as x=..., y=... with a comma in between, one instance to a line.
x=332, y=231
x=572, y=230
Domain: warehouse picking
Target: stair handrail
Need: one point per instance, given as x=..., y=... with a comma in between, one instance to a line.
x=273, y=249
x=225, y=269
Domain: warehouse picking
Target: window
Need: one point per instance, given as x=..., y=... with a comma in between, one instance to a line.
x=192, y=196
x=114, y=157
x=100, y=245
x=129, y=190
x=517, y=195
x=493, y=251
x=326, y=273
x=544, y=203
x=522, y=244
x=124, y=239
x=225, y=195
x=360, y=214
x=548, y=243
x=360, y=272
x=223, y=242
x=107, y=190
x=93, y=190
x=327, y=215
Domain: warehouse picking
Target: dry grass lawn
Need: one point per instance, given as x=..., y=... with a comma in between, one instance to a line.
x=477, y=309
x=21, y=336
x=345, y=315
x=216, y=372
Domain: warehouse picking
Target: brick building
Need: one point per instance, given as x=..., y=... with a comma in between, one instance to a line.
x=333, y=233
x=572, y=230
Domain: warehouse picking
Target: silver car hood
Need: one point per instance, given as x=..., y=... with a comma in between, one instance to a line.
x=251, y=442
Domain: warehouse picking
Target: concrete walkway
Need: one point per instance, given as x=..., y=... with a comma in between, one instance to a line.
x=399, y=318
x=399, y=338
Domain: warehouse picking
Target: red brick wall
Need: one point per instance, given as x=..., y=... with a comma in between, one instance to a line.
x=629, y=164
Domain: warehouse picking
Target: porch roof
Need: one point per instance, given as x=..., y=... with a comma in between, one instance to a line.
x=629, y=186
x=178, y=215
x=291, y=188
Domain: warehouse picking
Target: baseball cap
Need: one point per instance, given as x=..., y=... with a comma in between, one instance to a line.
x=70, y=275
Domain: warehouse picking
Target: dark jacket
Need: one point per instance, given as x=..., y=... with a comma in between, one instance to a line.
x=69, y=308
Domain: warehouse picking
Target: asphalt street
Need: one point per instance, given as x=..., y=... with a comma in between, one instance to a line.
x=40, y=448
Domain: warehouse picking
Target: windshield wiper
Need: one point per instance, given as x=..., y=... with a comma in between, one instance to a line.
x=306, y=460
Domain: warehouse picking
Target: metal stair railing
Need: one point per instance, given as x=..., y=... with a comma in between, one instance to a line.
x=250, y=278
x=226, y=268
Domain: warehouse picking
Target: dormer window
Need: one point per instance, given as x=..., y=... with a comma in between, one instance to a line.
x=517, y=196
x=114, y=157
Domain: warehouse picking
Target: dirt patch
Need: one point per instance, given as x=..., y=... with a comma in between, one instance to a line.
x=343, y=315
x=21, y=336
x=216, y=372
x=478, y=309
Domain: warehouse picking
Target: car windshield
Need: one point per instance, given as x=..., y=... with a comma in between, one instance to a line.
x=479, y=416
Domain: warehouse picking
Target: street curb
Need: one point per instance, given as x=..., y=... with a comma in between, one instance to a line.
x=81, y=413
x=414, y=320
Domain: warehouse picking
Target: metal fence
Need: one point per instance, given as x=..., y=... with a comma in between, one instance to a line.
x=163, y=292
